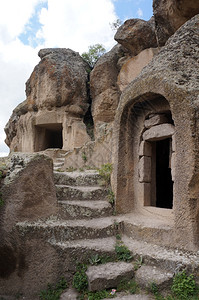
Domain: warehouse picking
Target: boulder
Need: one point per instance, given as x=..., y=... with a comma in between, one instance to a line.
x=136, y=35
x=170, y=15
x=103, y=86
x=58, y=80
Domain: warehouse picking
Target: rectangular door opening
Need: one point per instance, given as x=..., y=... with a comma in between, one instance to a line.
x=164, y=183
x=48, y=136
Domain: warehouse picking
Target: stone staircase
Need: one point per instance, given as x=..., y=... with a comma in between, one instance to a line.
x=85, y=226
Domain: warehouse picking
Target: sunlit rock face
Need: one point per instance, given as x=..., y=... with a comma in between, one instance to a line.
x=136, y=35
x=57, y=100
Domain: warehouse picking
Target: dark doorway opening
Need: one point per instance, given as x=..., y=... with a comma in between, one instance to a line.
x=53, y=139
x=48, y=136
x=164, y=183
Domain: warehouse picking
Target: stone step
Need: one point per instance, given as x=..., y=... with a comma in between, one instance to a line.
x=83, y=251
x=66, y=192
x=59, y=230
x=148, y=275
x=130, y=297
x=57, y=165
x=84, y=209
x=108, y=275
x=59, y=160
x=143, y=227
x=172, y=260
x=88, y=177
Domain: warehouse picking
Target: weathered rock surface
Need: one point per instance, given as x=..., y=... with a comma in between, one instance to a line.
x=170, y=15
x=136, y=35
x=133, y=66
x=28, y=192
x=159, y=132
x=28, y=189
x=58, y=80
x=108, y=275
x=70, y=294
x=103, y=86
x=146, y=275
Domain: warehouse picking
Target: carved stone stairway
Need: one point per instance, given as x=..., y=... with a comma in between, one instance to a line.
x=85, y=226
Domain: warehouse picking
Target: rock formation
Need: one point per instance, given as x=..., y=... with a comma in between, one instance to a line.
x=136, y=35
x=52, y=115
x=143, y=100
x=170, y=15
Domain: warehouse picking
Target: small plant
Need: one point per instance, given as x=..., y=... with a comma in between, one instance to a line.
x=105, y=259
x=111, y=197
x=105, y=173
x=71, y=169
x=122, y=252
x=118, y=237
x=84, y=157
x=138, y=263
x=184, y=286
x=53, y=293
x=80, y=281
x=95, y=260
x=154, y=288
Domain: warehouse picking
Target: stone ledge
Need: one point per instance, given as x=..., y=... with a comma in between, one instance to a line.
x=159, y=132
x=108, y=275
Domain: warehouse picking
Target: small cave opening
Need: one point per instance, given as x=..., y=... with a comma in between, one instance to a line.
x=164, y=183
x=48, y=136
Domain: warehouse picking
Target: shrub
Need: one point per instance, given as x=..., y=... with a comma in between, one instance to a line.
x=183, y=286
x=80, y=281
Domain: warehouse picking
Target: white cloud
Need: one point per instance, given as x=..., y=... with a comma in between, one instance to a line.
x=72, y=24
x=139, y=13
x=13, y=17
x=77, y=24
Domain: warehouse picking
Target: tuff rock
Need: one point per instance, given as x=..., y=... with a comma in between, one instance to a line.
x=136, y=35
x=170, y=15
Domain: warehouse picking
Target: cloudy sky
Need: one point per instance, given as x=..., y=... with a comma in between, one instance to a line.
x=29, y=25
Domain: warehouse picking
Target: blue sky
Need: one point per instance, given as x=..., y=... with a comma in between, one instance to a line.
x=26, y=26
x=127, y=9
